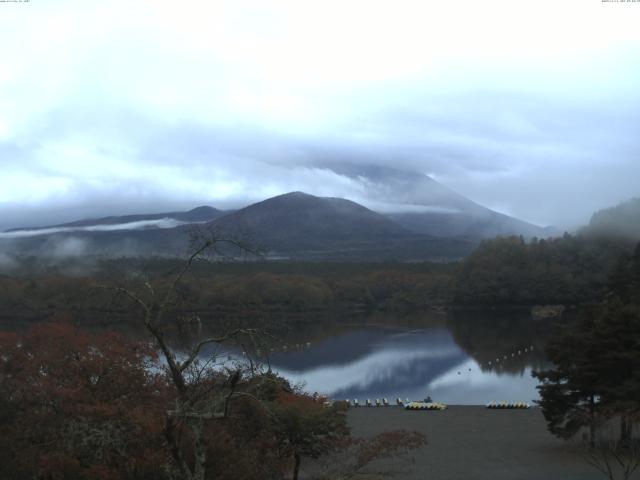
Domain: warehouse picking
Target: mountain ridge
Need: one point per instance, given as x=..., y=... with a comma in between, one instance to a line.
x=304, y=214
x=291, y=225
x=201, y=213
x=445, y=212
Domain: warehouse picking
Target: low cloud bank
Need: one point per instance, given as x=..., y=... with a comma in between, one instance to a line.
x=139, y=225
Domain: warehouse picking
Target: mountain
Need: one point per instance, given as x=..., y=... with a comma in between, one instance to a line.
x=471, y=223
x=300, y=217
x=114, y=236
x=294, y=225
x=196, y=215
x=299, y=225
x=422, y=205
x=438, y=210
x=439, y=225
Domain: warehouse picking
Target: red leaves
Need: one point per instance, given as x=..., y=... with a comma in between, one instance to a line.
x=80, y=404
x=74, y=404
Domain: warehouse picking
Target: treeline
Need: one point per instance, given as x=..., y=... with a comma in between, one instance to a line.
x=222, y=289
x=507, y=271
x=567, y=270
x=382, y=289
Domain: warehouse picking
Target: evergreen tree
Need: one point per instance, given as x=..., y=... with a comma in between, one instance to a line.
x=569, y=391
x=617, y=332
x=596, y=374
x=625, y=279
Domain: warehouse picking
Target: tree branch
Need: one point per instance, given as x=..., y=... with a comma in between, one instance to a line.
x=194, y=353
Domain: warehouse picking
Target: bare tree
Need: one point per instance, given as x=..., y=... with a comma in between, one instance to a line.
x=204, y=388
x=199, y=398
x=615, y=455
x=613, y=460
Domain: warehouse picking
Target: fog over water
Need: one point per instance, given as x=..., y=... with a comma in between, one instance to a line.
x=109, y=108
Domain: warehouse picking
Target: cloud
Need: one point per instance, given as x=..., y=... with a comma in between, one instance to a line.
x=522, y=108
x=66, y=247
x=138, y=225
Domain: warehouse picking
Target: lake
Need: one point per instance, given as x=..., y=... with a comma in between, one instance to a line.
x=466, y=359
x=458, y=358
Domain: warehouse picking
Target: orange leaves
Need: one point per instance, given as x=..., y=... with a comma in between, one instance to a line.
x=80, y=404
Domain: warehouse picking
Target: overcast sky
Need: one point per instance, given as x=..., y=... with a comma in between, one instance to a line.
x=107, y=107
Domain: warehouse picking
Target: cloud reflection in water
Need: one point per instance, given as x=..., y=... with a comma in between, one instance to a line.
x=410, y=364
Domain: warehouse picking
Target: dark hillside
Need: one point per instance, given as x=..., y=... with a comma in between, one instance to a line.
x=621, y=221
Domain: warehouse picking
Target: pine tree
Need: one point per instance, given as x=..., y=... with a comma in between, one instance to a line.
x=569, y=391
x=596, y=374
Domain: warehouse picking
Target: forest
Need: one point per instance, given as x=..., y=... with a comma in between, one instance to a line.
x=505, y=272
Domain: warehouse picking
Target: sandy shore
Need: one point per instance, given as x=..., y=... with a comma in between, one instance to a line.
x=475, y=443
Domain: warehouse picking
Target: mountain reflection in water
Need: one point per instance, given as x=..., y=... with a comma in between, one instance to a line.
x=374, y=362
x=452, y=358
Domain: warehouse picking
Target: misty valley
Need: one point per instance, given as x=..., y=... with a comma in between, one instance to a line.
x=233, y=330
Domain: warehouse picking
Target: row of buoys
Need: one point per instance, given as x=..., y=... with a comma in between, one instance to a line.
x=425, y=406
x=294, y=346
x=504, y=358
x=507, y=405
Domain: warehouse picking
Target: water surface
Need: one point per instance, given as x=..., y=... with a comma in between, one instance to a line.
x=469, y=359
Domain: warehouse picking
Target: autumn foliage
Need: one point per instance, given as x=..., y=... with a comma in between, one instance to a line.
x=79, y=405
